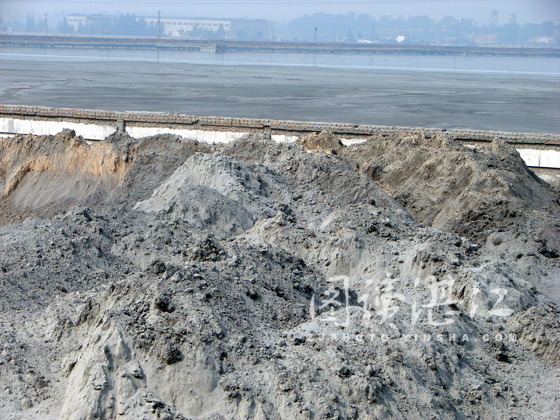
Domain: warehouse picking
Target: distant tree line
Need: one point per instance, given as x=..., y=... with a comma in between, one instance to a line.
x=33, y=25
x=353, y=27
x=349, y=28
x=126, y=24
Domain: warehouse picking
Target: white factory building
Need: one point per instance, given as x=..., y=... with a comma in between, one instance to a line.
x=179, y=27
x=236, y=29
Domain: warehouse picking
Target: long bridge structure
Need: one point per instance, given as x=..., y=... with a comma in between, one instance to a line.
x=228, y=46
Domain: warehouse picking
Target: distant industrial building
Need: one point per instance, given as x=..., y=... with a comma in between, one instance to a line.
x=231, y=29
x=175, y=27
x=405, y=39
x=543, y=41
x=489, y=40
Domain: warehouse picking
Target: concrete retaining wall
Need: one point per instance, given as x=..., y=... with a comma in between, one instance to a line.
x=538, y=150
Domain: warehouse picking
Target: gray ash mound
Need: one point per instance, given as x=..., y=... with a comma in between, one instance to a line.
x=466, y=190
x=403, y=278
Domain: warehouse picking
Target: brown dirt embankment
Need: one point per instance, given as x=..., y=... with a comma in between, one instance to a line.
x=36, y=171
x=43, y=175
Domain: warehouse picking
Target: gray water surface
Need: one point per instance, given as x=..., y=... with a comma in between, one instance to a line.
x=496, y=93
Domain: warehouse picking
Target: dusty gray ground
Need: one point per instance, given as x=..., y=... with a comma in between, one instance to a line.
x=163, y=278
x=386, y=97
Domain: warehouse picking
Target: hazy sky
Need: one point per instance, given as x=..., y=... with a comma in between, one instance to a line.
x=283, y=10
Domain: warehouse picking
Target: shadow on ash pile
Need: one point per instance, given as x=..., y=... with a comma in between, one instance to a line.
x=404, y=278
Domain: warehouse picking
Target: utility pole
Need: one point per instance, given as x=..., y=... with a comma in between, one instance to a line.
x=1, y=16
x=315, y=34
x=159, y=25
